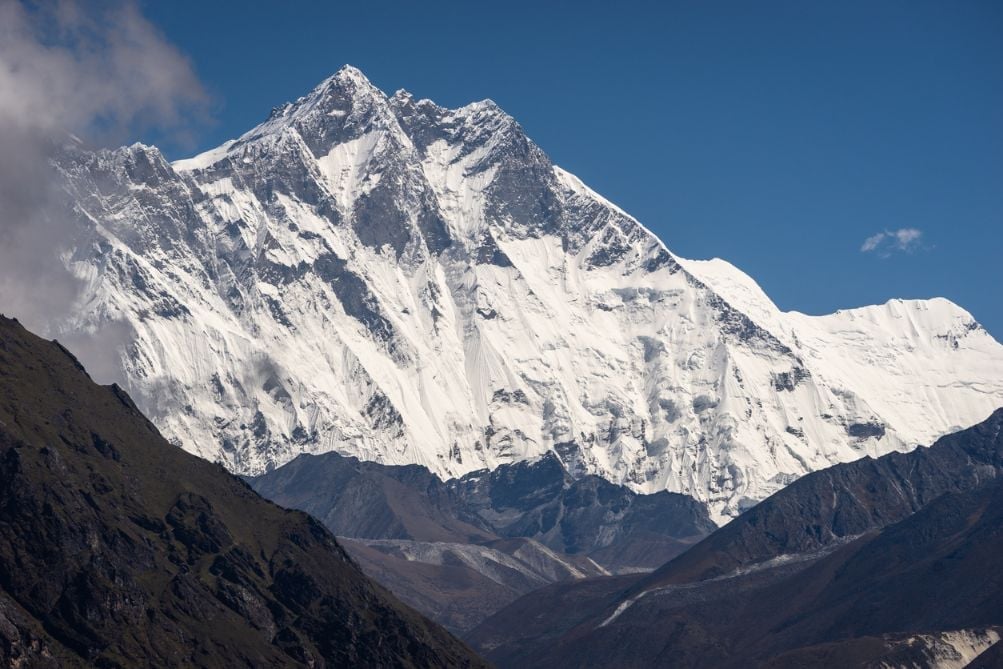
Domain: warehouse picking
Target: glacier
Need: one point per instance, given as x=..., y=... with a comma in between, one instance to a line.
x=380, y=276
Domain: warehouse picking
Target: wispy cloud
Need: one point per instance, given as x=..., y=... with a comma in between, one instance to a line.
x=886, y=242
x=96, y=69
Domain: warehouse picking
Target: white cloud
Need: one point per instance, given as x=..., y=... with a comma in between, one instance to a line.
x=873, y=242
x=886, y=242
x=94, y=68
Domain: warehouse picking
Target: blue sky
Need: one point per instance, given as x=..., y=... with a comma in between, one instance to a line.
x=841, y=153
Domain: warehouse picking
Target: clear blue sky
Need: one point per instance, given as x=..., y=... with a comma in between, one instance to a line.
x=777, y=135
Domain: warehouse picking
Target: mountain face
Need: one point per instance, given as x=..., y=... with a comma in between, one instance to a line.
x=538, y=500
x=835, y=505
x=462, y=549
x=872, y=563
x=119, y=550
x=408, y=284
x=459, y=585
x=924, y=592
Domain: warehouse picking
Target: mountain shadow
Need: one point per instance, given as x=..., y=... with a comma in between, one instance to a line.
x=118, y=549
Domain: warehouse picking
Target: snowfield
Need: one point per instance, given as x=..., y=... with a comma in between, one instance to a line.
x=405, y=283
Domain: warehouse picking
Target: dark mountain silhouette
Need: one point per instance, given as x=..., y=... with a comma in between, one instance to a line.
x=461, y=549
x=538, y=500
x=118, y=549
x=894, y=559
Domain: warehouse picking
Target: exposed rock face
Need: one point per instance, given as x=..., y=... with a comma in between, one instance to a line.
x=538, y=500
x=866, y=563
x=409, y=284
x=460, y=550
x=460, y=584
x=845, y=501
x=120, y=550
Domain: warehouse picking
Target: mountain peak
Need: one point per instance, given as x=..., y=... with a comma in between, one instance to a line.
x=348, y=71
x=349, y=76
x=347, y=96
x=320, y=237
x=340, y=94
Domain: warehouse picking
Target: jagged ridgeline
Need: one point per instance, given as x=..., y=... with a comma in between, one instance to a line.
x=119, y=550
x=887, y=562
x=406, y=283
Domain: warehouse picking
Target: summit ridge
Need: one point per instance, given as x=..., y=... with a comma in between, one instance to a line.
x=393, y=280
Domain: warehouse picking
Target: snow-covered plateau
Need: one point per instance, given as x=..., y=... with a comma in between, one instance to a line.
x=405, y=283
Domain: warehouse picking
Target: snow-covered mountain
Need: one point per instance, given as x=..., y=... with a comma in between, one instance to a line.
x=406, y=283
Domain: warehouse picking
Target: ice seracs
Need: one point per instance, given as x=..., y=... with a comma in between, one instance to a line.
x=407, y=283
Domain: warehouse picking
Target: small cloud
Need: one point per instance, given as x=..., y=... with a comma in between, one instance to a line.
x=873, y=242
x=886, y=242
